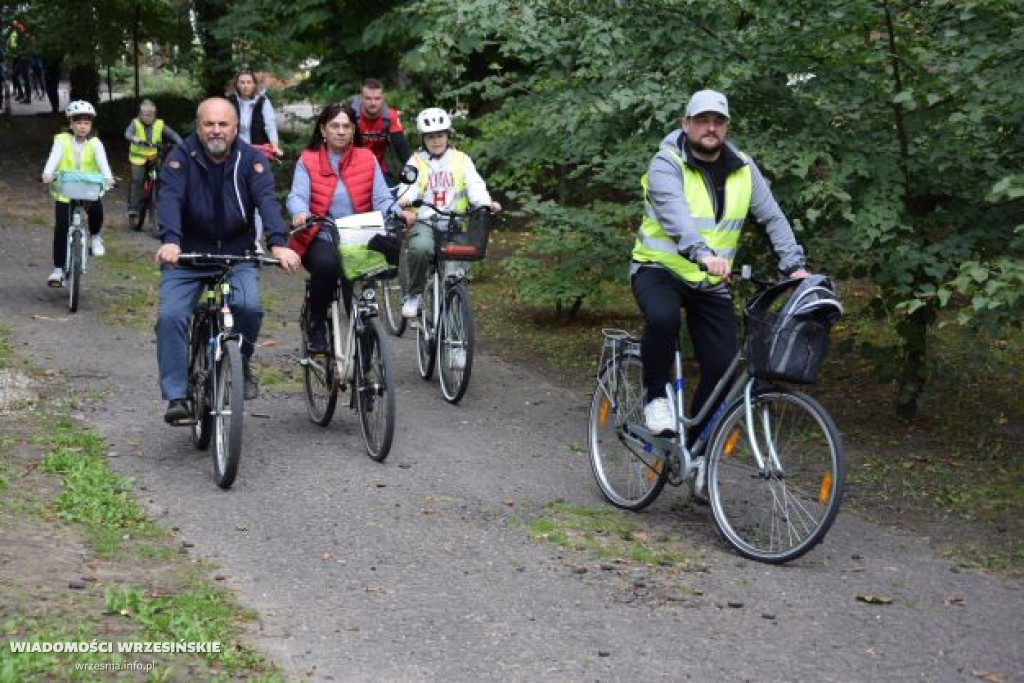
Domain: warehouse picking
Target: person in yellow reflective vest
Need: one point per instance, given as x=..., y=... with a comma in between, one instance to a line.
x=145, y=134
x=448, y=180
x=698, y=192
x=77, y=150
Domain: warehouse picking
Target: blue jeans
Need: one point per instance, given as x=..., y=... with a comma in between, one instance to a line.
x=179, y=291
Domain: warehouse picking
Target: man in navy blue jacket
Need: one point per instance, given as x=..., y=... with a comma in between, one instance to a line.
x=210, y=187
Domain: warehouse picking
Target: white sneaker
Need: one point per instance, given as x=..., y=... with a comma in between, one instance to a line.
x=458, y=359
x=700, y=480
x=56, y=278
x=658, y=418
x=411, y=306
x=96, y=245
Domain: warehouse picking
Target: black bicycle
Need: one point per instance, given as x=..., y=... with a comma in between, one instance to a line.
x=216, y=388
x=150, y=190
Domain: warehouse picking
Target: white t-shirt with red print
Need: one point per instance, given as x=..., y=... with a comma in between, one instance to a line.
x=440, y=185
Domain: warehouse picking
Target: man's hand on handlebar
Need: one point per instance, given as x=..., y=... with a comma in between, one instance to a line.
x=716, y=265
x=289, y=260
x=168, y=253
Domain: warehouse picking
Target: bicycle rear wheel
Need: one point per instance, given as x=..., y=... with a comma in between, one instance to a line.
x=455, y=344
x=74, y=270
x=199, y=381
x=777, y=513
x=391, y=292
x=375, y=398
x=318, y=376
x=228, y=411
x=426, y=330
x=629, y=477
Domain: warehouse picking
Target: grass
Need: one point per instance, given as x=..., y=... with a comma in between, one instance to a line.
x=147, y=591
x=606, y=534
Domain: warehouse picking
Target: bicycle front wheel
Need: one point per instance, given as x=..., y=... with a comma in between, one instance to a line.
x=318, y=376
x=199, y=381
x=154, y=230
x=74, y=270
x=776, y=512
x=391, y=292
x=426, y=329
x=455, y=344
x=228, y=411
x=628, y=476
x=375, y=398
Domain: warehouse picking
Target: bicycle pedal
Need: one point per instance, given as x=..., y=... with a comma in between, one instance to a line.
x=184, y=422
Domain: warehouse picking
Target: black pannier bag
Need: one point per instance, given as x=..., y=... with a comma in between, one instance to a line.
x=787, y=337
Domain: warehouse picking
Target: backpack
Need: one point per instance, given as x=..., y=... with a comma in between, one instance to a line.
x=789, y=343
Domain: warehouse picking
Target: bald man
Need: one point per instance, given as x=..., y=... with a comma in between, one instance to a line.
x=211, y=186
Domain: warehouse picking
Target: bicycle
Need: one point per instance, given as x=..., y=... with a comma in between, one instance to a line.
x=215, y=376
x=359, y=357
x=150, y=190
x=82, y=188
x=772, y=459
x=444, y=330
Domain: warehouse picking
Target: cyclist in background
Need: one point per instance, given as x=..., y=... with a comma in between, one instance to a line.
x=698, y=192
x=77, y=150
x=378, y=125
x=211, y=186
x=145, y=133
x=448, y=180
x=257, y=122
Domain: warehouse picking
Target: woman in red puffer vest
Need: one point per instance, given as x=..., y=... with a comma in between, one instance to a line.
x=336, y=179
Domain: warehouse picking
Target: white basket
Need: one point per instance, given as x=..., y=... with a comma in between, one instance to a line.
x=358, y=229
x=80, y=186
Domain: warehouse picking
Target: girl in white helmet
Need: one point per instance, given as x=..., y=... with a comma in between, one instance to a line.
x=449, y=180
x=77, y=150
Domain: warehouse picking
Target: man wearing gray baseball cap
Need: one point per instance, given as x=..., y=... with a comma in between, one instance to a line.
x=698, y=193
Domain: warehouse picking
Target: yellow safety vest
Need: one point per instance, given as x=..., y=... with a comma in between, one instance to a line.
x=67, y=160
x=139, y=155
x=458, y=169
x=653, y=244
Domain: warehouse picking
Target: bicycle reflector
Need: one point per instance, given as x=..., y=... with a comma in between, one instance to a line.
x=602, y=417
x=826, y=486
x=460, y=251
x=730, y=443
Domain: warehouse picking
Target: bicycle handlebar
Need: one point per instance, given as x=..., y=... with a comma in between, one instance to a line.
x=392, y=224
x=226, y=260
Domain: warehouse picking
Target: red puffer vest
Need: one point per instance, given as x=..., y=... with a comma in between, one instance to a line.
x=357, y=166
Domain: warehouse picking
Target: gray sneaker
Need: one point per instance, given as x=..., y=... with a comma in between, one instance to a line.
x=252, y=384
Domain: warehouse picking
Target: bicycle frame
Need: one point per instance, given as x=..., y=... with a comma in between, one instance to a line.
x=78, y=225
x=364, y=306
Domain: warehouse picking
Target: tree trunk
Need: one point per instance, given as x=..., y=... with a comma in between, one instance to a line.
x=218, y=67
x=913, y=330
x=85, y=83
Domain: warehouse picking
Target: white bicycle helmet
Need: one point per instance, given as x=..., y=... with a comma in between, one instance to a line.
x=79, y=108
x=433, y=120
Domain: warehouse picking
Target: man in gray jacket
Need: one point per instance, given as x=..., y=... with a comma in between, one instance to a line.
x=698, y=193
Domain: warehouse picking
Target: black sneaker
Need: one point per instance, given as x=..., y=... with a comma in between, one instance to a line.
x=316, y=340
x=178, y=412
x=252, y=385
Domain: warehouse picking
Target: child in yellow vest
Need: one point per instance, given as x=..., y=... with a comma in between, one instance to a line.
x=76, y=151
x=146, y=134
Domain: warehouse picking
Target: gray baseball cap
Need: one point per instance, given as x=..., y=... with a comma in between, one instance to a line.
x=707, y=100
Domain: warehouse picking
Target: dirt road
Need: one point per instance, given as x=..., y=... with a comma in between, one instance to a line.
x=423, y=567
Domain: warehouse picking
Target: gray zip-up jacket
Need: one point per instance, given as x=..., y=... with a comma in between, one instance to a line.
x=665, y=193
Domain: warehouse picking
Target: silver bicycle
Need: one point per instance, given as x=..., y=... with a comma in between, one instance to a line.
x=771, y=459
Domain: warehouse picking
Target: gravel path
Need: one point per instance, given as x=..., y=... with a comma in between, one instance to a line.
x=420, y=568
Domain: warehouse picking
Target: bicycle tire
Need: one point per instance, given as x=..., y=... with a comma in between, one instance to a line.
x=628, y=477
x=775, y=516
x=74, y=270
x=426, y=334
x=375, y=397
x=391, y=293
x=199, y=381
x=154, y=228
x=318, y=376
x=144, y=210
x=228, y=414
x=455, y=333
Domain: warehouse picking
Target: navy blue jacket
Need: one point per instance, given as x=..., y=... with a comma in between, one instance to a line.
x=185, y=208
